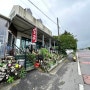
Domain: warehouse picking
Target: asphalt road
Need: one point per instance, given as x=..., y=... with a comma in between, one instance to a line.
x=63, y=77
x=84, y=60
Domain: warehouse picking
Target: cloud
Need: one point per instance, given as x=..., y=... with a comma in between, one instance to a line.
x=75, y=19
x=73, y=15
x=73, y=9
x=5, y=6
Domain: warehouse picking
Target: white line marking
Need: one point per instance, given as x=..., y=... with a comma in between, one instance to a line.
x=79, y=70
x=81, y=87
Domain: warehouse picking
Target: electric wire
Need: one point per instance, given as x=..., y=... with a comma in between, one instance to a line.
x=48, y=8
x=42, y=12
x=26, y=4
x=44, y=21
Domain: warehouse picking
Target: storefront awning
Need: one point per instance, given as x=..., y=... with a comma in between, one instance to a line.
x=24, y=26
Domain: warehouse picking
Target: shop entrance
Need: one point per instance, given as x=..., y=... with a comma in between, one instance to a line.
x=25, y=43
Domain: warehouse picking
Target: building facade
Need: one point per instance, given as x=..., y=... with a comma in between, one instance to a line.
x=16, y=33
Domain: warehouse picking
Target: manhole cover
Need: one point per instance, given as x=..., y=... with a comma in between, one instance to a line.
x=86, y=79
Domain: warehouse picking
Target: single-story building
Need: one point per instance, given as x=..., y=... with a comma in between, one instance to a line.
x=16, y=32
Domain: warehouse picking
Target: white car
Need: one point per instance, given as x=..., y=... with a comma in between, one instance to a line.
x=68, y=51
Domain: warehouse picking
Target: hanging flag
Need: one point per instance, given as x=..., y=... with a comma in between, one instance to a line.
x=34, y=35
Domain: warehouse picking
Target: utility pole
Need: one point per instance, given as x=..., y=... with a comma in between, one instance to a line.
x=58, y=33
x=58, y=25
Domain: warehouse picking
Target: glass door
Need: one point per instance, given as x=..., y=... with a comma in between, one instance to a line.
x=25, y=43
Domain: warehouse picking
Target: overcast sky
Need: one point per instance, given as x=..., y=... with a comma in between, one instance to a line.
x=74, y=15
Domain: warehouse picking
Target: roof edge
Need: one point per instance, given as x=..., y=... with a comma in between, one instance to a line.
x=2, y=16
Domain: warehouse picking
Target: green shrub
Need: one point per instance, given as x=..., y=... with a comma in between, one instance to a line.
x=44, y=52
x=22, y=72
x=10, y=79
x=31, y=57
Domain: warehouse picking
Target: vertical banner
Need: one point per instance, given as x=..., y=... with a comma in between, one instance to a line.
x=34, y=35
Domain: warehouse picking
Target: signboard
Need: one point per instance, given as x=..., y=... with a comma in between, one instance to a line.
x=34, y=35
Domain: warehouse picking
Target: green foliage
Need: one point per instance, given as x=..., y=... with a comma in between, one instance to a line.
x=67, y=41
x=22, y=72
x=89, y=48
x=55, y=37
x=10, y=79
x=49, y=55
x=44, y=52
x=52, y=62
x=31, y=57
x=56, y=47
x=1, y=64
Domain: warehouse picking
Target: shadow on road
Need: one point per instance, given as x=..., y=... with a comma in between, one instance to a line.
x=70, y=57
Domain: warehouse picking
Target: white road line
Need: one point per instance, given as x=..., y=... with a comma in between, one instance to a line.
x=81, y=87
x=79, y=70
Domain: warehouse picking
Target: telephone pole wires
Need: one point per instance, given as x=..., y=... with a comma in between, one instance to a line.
x=58, y=26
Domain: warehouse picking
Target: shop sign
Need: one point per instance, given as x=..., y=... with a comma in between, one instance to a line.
x=34, y=35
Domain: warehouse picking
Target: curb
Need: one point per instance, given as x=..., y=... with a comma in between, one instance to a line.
x=56, y=64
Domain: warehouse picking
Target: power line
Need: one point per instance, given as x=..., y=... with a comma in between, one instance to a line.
x=45, y=4
x=26, y=4
x=48, y=9
x=42, y=12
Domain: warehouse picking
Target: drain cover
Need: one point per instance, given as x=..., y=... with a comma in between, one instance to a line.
x=86, y=79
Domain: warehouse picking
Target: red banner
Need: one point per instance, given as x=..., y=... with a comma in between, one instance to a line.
x=34, y=35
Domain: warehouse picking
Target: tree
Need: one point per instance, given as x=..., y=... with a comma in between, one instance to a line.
x=66, y=41
x=88, y=48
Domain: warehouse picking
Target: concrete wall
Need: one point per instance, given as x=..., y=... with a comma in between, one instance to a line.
x=4, y=24
x=27, y=16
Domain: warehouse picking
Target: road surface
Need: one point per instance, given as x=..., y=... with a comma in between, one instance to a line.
x=84, y=60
